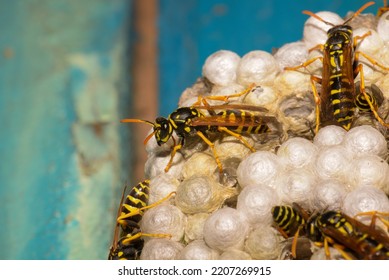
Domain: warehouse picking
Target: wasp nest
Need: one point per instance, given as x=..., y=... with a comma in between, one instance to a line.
x=227, y=215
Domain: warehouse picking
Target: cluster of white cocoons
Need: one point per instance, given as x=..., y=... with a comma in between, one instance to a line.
x=338, y=170
x=333, y=169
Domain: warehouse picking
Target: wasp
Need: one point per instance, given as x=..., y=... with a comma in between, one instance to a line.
x=135, y=204
x=130, y=243
x=289, y=221
x=374, y=95
x=233, y=119
x=350, y=237
x=363, y=241
x=338, y=100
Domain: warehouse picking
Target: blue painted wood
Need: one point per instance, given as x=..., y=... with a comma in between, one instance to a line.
x=63, y=82
x=191, y=30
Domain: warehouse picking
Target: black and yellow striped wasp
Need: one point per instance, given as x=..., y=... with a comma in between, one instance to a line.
x=352, y=238
x=232, y=119
x=356, y=238
x=130, y=243
x=337, y=102
x=288, y=219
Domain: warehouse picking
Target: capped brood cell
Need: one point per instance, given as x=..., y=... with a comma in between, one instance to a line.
x=227, y=215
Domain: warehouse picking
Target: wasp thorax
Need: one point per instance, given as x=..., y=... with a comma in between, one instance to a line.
x=343, y=30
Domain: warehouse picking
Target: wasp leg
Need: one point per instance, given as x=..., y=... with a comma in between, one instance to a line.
x=374, y=216
x=129, y=237
x=282, y=232
x=326, y=244
x=344, y=254
x=316, y=96
x=136, y=211
x=305, y=64
x=225, y=98
x=172, y=154
x=327, y=249
x=368, y=100
x=294, y=243
x=317, y=47
x=237, y=136
x=212, y=146
x=314, y=79
x=360, y=38
x=203, y=101
x=371, y=60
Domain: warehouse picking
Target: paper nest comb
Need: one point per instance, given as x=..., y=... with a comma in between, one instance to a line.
x=230, y=217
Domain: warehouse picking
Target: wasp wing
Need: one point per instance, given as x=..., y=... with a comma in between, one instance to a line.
x=218, y=121
x=363, y=240
x=116, y=231
x=244, y=107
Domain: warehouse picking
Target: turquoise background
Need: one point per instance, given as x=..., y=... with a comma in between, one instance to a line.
x=65, y=83
x=192, y=30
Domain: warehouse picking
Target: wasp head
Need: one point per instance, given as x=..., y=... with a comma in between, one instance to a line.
x=163, y=130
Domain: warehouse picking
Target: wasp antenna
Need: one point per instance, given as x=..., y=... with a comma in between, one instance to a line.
x=148, y=137
x=136, y=121
x=309, y=13
x=368, y=4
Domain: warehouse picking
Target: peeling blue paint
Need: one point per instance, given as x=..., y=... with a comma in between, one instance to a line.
x=60, y=167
